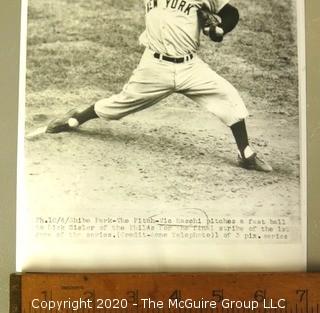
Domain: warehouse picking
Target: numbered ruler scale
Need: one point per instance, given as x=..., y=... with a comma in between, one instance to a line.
x=211, y=292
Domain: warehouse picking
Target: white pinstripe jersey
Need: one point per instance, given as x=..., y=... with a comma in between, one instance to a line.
x=172, y=26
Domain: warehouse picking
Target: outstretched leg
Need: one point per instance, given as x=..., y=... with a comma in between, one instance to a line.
x=149, y=83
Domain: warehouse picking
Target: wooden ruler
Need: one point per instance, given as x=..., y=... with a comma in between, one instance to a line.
x=205, y=292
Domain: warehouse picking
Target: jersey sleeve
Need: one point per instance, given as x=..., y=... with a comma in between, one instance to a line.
x=215, y=5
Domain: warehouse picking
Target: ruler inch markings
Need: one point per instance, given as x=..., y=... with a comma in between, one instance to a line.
x=300, y=291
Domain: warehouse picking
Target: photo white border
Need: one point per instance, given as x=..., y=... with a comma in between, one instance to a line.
x=250, y=250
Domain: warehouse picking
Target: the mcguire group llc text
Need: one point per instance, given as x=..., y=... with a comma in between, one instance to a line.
x=148, y=303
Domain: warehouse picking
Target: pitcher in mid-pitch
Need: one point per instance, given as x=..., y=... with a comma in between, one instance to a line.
x=170, y=64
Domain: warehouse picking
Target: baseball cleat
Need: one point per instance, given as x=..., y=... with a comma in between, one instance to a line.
x=64, y=123
x=254, y=163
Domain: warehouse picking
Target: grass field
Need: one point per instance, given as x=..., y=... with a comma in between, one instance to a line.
x=174, y=154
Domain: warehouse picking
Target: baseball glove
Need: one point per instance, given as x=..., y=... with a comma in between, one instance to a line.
x=210, y=22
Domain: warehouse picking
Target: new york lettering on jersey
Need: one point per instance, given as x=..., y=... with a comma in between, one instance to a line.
x=172, y=26
x=185, y=6
x=180, y=5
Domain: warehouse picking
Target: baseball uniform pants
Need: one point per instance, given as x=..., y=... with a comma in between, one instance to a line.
x=154, y=79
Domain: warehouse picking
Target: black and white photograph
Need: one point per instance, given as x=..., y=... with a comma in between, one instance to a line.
x=162, y=135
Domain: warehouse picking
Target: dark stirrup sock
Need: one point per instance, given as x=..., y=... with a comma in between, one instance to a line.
x=86, y=115
x=239, y=131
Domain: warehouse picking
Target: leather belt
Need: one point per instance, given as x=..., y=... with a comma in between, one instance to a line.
x=172, y=59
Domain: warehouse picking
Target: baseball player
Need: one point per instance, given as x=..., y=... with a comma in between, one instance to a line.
x=170, y=64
